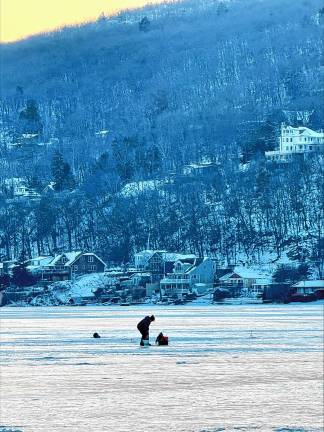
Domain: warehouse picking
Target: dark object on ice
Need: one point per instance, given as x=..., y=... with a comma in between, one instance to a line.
x=96, y=335
x=143, y=327
x=162, y=340
x=319, y=294
x=220, y=294
x=304, y=298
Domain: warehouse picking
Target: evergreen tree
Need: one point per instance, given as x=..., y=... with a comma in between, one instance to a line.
x=61, y=173
x=144, y=25
x=4, y=281
x=29, y=118
x=21, y=276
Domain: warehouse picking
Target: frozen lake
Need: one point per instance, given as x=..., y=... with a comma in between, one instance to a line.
x=227, y=368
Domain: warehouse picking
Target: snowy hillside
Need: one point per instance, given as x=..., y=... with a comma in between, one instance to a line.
x=125, y=111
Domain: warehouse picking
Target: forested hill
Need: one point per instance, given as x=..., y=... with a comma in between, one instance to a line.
x=191, y=80
x=138, y=96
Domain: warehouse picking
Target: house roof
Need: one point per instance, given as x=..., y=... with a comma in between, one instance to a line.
x=146, y=253
x=43, y=261
x=196, y=263
x=226, y=276
x=93, y=254
x=265, y=281
x=41, y=258
x=244, y=273
x=309, y=132
x=305, y=131
x=140, y=275
x=192, y=260
x=71, y=257
x=310, y=284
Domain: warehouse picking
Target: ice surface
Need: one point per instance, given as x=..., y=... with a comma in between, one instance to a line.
x=242, y=368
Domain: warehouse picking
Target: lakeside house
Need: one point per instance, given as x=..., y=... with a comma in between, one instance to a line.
x=37, y=264
x=308, y=287
x=296, y=141
x=190, y=275
x=69, y=265
x=158, y=262
x=253, y=281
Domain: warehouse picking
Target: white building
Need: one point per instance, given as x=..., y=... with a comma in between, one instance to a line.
x=245, y=279
x=296, y=141
x=309, y=286
x=190, y=275
x=18, y=188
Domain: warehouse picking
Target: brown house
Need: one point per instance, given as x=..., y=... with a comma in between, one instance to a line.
x=72, y=264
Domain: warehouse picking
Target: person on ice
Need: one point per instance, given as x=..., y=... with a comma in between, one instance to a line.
x=144, y=327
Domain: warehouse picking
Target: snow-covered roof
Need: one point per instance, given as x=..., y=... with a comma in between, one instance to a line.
x=245, y=273
x=305, y=131
x=265, y=281
x=98, y=258
x=179, y=256
x=196, y=262
x=43, y=260
x=102, y=132
x=70, y=256
x=310, y=284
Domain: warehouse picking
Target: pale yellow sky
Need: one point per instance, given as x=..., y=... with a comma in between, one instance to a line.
x=21, y=18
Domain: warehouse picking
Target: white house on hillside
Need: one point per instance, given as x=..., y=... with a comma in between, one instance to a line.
x=296, y=141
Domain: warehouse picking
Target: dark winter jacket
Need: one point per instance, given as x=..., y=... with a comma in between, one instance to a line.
x=143, y=326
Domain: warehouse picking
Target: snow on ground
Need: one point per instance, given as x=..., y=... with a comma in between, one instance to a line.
x=242, y=368
x=82, y=287
x=136, y=188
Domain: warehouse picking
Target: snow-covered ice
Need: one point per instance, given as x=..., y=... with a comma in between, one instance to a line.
x=242, y=368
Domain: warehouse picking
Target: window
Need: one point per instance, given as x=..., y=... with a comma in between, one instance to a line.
x=90, y=258
x=310, y=147
x=75, y=268
x=290, y=139
x=93, y=267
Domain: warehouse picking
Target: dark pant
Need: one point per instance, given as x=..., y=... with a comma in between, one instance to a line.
x=145, y=335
